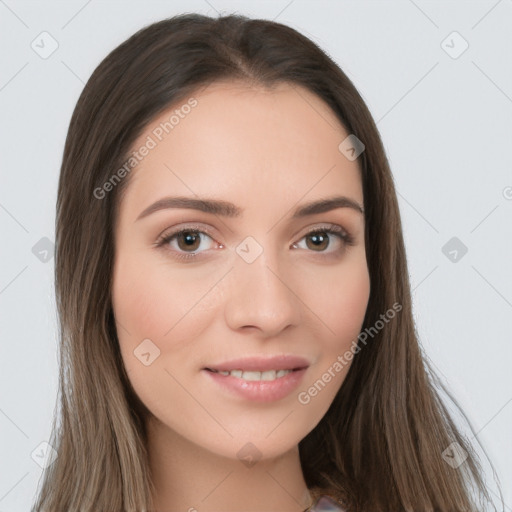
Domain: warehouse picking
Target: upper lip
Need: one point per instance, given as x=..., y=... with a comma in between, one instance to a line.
x=282, y=362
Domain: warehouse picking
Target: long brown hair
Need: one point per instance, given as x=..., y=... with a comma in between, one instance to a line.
x=379, y=446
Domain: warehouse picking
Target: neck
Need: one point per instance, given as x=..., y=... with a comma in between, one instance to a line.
x=189, y=478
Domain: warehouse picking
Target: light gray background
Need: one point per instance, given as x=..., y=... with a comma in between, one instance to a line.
x=446, y=124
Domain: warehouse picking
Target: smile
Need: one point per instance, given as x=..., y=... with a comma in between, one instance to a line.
x=255, y=375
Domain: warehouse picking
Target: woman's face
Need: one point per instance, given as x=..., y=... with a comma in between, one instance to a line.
x=245, y=281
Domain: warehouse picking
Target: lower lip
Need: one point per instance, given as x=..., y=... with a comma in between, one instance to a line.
x=259, y=390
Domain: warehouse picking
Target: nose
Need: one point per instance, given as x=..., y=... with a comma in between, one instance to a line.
x=262, y=297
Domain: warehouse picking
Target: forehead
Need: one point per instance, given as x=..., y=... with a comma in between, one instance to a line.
x=239, y=142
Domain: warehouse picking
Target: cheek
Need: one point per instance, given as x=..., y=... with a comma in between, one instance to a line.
x=151, y=303
x=159, y=316
x=339, y=300
x=349, y=303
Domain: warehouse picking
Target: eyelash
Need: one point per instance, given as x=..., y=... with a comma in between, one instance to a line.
x=338, y=231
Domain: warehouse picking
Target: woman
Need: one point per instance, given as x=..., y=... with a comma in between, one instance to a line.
x=232, y=285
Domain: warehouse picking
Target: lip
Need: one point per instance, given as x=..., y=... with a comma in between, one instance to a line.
x=255, y=363
x=258, y=391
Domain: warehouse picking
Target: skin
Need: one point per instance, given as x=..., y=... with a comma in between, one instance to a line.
x=267, y=151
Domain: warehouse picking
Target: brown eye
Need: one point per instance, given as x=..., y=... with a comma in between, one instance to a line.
x=188, y=240
x=186, y=243
x=319, y=240
x=326, y=240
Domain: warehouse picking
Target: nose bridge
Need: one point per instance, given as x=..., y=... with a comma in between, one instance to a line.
x=262, y=295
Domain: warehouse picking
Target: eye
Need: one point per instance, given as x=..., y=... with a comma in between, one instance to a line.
x=185, y=243
x=319, y=239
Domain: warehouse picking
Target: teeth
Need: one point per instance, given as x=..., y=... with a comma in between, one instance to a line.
x=249, y=375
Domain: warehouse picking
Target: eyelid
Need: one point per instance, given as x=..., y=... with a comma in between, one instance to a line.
x=184, y=227
x=326, y=226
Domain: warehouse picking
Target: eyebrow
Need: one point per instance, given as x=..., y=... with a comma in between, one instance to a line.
x=227, y=209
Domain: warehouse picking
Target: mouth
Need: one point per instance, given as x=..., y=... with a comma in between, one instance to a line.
x=260, y=368
x=263, y=385
x=251, y=375
x=260, y=364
